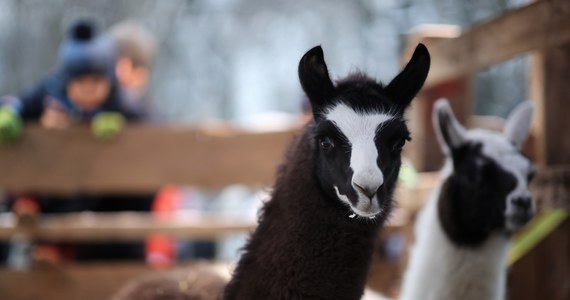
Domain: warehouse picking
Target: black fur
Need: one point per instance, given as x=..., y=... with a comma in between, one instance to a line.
x=316, y=82
x=332, y=165
x=472, y=202
x=409, y=82
x=315, y=79
x=364, y=95
x=305, y=246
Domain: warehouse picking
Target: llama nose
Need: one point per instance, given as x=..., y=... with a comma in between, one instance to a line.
x=523, y=203
x=367, y=190
x=524, y=206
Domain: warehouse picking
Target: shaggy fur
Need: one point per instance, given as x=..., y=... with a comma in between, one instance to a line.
x=306, y=246
x=200, y=281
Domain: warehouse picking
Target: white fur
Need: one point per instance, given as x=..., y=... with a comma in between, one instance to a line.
x=438, y=270
x=342, y=197
x=456, y=132
x=518, y=123
x=360, y=130
x=372, y=295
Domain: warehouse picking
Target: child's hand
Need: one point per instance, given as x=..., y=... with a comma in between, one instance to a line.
x=106, y=125
x=10, y=125
x=54, y=115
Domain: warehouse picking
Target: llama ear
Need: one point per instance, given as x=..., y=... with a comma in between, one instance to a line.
x=315, y=80
x=449, y=132
x=408, y=83
x=518, y=123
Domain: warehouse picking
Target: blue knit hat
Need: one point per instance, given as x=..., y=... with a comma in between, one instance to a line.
x=86, y=52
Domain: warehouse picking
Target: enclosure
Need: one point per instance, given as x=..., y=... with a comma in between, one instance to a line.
x=225, y=87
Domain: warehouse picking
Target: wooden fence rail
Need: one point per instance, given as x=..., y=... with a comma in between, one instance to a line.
x=140, y=160
x=537, y=26
x=123, y=226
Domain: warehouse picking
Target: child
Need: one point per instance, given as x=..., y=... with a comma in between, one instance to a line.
x=82, y=87
x=136, y=50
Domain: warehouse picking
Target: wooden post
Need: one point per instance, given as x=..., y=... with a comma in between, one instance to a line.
x=544, y=272
x=550, y=91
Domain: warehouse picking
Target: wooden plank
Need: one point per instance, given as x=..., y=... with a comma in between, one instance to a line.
x=551, y=94
x=140, y=160
x=551, y=188
x=538, y=26
x=541, y=226
x=85, y=281
x=545, y=272
x=125, y=226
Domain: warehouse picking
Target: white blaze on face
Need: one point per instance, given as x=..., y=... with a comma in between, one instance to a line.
x=360, y=130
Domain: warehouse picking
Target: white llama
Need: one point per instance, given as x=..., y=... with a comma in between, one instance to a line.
x=463, y=234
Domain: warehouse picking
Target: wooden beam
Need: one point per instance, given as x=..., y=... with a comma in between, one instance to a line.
x=551, y=188
x=94, y=281
x=70, y=282
x=140, y=160
x=551, y=94
x=537, y=26
x=124, y=226
x=544, y=273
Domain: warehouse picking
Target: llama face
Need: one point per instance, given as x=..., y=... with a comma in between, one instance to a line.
x=359, y=131
x=490, y=175
x=359, y=152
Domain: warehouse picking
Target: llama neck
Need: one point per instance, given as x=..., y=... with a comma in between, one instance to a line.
x=305, y=246
x=440, y=269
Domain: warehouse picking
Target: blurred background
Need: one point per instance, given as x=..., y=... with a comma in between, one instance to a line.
x=236, y=59
x=222, y=77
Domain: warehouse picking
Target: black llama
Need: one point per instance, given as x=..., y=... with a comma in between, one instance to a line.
x=333, y=193
x=316, y=234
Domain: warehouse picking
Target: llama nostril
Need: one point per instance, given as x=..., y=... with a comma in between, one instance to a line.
x=366, y=190
x=522, y=202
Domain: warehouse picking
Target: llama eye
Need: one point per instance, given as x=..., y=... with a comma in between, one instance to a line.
x=327, y=144
x=530, y=175
x=399, y=145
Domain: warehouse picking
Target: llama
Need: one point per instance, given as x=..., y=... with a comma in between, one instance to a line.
x=199, y=281
x=463, y=232
x=316, y=234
